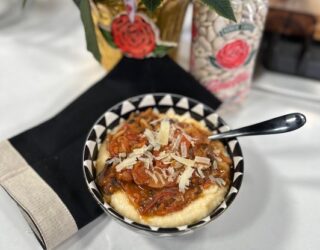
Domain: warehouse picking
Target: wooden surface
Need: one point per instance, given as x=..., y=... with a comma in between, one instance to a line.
x=311, y=7
x=305, y=6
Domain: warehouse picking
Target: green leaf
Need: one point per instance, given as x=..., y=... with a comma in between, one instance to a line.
x=77, y=2
x=107, y=35
x=222, y=7
x=92, y=43
x=151, y=5
x=213, y=62
x=161, y=50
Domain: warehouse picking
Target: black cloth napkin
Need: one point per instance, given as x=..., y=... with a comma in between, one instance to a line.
x=54, y=149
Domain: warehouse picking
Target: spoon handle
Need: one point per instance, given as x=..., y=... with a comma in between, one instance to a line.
x=278, y=125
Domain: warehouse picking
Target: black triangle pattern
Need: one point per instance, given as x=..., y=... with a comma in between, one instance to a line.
x=163, y=102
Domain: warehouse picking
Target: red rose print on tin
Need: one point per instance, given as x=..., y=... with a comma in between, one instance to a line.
x=232, y=55
x=136, y=39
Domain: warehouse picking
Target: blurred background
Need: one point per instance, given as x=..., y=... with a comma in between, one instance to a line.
x=292, y=36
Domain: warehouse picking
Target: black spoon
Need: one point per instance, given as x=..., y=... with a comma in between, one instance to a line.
x=278, y=125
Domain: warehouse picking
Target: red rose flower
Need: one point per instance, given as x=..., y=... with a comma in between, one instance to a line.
x=135, y=39
x=233, y=54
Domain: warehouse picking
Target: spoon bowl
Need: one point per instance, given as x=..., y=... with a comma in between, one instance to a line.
x=278, y=125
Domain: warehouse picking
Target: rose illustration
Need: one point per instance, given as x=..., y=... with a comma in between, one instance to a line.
x=233, y=54
x=135, y=39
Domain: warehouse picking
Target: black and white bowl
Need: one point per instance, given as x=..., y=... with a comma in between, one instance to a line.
x=162, y=102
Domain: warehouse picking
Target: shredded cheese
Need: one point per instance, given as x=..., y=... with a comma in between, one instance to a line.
x=154, y=122
x=188, y=137
x=201, y=166
x=126, y=164
x=200, y=173
x=114, y=160
x=214, y=165
x=167, y=159
x=152, y=175
x=171, y=174
x=151, y=138
x=146, y=162
x=176, y=143
x=202, y=160
x=122, y=155
x=172, y=131
x=164, y=132
x=184, y=178
x=177, y=165
x=182, y=160
x=137, y=152
x=171, y=170
x=183, y=148
x=219, y=181
x=161, y=156
x=160, y=177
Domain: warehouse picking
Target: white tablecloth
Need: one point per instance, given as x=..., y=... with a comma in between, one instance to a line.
x=44, y=66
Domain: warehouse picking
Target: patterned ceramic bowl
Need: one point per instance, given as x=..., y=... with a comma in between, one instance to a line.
x=163, y=103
